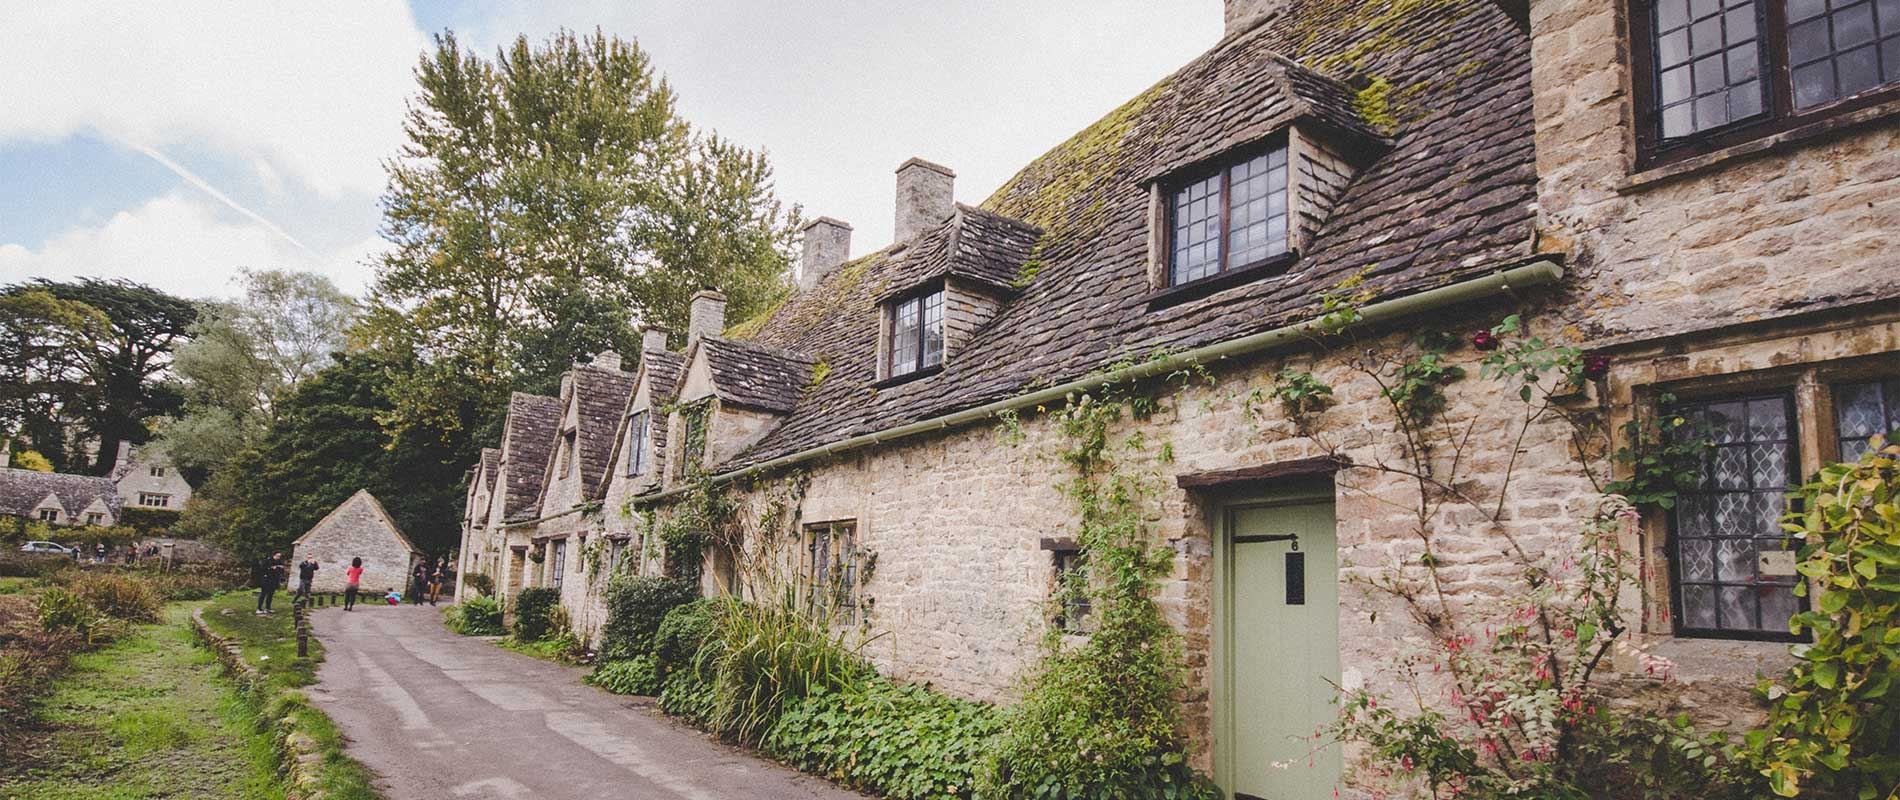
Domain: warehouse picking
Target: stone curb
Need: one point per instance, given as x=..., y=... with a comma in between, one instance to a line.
x=299, y=756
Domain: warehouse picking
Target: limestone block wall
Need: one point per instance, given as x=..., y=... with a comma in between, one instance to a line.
x=355, y=532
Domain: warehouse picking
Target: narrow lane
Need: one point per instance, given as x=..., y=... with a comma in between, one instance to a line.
x=440, y=715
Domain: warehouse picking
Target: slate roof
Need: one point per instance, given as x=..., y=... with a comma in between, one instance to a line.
x=21, y=491
x=363, y=496
x=602, y=396
x=491, y=460
x=974, y=244
x=756, y=376
x=529, y=434
x=663, y=384
x=1450, y=199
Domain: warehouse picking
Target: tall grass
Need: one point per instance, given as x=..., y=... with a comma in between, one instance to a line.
x=761, y=659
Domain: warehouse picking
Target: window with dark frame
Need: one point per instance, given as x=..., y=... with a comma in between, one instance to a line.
x=152, y=500
x=916, y=333
x=638, y=437
x=1863, y=411
x=1719, y=529
x=567, y=452
x=1713, y=73
x=1231, y=218
x=558, y=558
x=49, y=515
x=831, y=569
x=95, y=518
x=1072, y=596
x=616, y=549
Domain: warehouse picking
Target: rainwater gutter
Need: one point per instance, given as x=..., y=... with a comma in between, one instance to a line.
x=1541, y=272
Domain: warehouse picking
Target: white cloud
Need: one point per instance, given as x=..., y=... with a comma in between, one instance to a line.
x=314, y=89
x=178, y=242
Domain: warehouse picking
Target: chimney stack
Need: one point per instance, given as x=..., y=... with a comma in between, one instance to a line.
x=1242, y=15
x=607, y=359
x=6, y=453
x=925, y=197
x=827, y=244
x=707, y=316
x=653, y=340
x=125, y=455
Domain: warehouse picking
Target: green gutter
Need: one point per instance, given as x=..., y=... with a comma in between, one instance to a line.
x=1536, y=273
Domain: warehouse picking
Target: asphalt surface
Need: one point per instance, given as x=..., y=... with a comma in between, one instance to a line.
x=437, y=715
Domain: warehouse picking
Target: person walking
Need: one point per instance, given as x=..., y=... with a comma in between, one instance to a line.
x=306, y=572
x=419, y=583
x=352, y=583
x=273, y=576
x=99, y=553
x=435, y=579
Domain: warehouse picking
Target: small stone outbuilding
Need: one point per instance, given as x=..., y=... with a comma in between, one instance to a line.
x=359, y=528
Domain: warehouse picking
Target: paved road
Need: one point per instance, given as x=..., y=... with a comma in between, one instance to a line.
x=438, y=715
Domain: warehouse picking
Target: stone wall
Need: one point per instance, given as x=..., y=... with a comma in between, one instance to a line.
x=354, y=530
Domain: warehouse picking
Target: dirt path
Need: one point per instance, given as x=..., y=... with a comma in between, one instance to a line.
x=440, y=715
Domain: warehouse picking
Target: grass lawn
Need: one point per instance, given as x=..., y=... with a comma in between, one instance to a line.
x=14, y=585
x=270, y=643
x=150, y=715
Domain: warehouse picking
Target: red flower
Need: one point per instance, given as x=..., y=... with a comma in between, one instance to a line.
x=1484, y=340
x=1596, y=366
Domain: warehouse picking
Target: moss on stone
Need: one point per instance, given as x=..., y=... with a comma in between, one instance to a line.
x=1374, y=104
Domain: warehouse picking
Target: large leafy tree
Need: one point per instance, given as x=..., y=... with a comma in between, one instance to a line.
x=244, y=355
x=87, y=360
x=324, y=443
x=548, y=201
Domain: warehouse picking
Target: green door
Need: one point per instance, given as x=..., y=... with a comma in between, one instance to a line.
x=1282, y=650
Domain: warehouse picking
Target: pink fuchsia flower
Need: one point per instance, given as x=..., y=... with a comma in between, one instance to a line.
x=1484, y=340
x=1595, y=366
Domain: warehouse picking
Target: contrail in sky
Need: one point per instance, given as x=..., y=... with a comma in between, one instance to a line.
x=193, y=179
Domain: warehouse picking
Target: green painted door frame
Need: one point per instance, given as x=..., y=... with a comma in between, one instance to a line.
x=1221, y=510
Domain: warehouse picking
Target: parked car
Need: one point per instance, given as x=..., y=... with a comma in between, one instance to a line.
x=46, y=547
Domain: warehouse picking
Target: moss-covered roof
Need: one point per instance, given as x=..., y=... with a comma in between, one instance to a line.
x=1452, y=196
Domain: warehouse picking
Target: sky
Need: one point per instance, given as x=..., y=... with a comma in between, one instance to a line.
x=177, y=144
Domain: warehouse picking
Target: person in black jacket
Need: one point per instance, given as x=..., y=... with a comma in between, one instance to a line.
x=273, y=576
x=306, y=572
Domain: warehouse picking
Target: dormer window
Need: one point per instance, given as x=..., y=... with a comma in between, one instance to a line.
x=1229, y=218
x=566, y=456
x=638, y=436
x=916, y=333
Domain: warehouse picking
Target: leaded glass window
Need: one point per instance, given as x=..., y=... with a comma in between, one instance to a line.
x=831, y=567
x=1838, y=48
x=1733, y=515
x=1865, y=410
x=638, y=440
x=916, y=334
x=558, y=567
x=1072, y=593
x=1235, y=218
x=1708, y=63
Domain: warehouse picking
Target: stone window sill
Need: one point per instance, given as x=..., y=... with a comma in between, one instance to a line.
x=1773, y=143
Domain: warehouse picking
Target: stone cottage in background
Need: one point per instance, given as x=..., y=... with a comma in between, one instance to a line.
x=1700, y=196
x=136, y=481
x=358, y=528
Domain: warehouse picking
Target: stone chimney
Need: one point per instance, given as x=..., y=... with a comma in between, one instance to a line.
x=1243, y=15
x=707, y=316
x=607, y=359
x=653, y=340
x=125, y=455
x=925, y=197
x=827, y=244
x=6, y=453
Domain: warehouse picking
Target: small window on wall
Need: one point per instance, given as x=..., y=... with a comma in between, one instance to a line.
x=557, y=569
x=150, y=500
x=693, y=452
x=49, y=515
x=95, y=518
x=158, y=472
x=1229, y=219
x=638, y=437
x=916, y=334
x=566, y=456
x=831, y=569
x=1714, y=73
x=1863, y=411
x=1720, y=528
x=1072, y=595
x=616, y=548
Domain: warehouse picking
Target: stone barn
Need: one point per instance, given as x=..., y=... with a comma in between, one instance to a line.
x=359, y=528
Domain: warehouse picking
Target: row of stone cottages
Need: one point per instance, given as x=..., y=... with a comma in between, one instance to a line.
x=1666, y=185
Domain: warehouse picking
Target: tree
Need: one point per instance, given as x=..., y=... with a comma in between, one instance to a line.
x=547, y=202
x=244, y=355
x=87, y=359
x=324, y=444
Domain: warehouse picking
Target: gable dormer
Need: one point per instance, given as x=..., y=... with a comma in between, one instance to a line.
x=640, y=455
x=731, y=394
x=594, y=399
x=958, y=267
x=1244, y=203
x=527, y=443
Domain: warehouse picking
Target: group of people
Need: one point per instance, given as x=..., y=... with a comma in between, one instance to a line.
x=426, y=581
x=130, y=554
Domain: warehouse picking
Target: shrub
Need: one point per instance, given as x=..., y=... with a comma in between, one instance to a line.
x=688, y=695
x=186, y=586
x=481, y=582
x=681, y=634
x=638, y=675
x=119, y=596
x=635, y=608
x=1833, y=728
x=476, y=616
x=32, y=565
x=63, y=612
x=902, y=742
x=534, y=610
x=762, y=659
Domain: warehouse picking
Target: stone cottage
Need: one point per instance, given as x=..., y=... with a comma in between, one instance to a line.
x=136, y=481
x=358, y=528
x=1700, y=202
